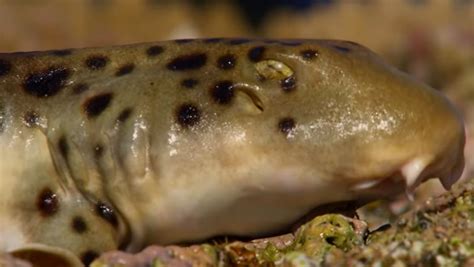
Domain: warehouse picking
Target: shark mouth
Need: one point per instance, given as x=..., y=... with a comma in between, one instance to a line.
x=448, y=170
x=411, y=174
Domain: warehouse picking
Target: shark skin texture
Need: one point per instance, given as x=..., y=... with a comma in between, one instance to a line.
x=179, y=141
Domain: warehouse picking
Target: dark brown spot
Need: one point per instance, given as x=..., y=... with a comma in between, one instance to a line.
x=256, y=54
x=125, y=69
x=154, y=50
x=212, y=40
x=189, y=83
x=188, y=115
x=94, y=106
x=286, y=125
x=62, y=52
x=31, y=118
x=79, y=225
x=96, y=62
x=183, y=41
x=88, y=257
x=309, y=54
x=188, y=62
x=98, y=151
x=124, y=115
x=5, y=67
x=63, y=147
x=290, y=43
x=226, y=62
x=107, y=213
x=288, y=84
x=46, y=83
x=47, y=202
x=223, y=92
x=238, y=41
x=80, y=88
x=342, y=48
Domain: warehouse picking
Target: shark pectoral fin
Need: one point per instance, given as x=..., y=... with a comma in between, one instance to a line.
x=46, y=256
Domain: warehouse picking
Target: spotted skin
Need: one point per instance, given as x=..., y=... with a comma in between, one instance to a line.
x=125, y=69
x=46, y=83
x=184, y=140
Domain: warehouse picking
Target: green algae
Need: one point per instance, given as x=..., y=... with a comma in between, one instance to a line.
x=441, y=233
x=332, y=230
x=269, y=254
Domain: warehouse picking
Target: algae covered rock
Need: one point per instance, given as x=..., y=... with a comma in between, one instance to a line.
x=330, y=231
x=441, y=233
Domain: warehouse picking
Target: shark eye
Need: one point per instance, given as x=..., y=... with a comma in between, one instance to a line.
x=273, y=70
x=277, y=70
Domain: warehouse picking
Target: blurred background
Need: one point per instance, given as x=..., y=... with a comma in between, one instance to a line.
x=430, y=39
